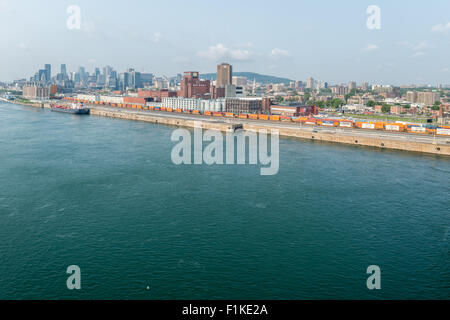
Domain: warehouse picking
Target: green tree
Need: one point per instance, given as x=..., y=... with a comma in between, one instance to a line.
x=320, y=104
x=371, y=103
x=386, y=108
x=436, y=105
x=347, y=96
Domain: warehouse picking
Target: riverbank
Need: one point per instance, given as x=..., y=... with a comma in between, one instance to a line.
x=395, y=141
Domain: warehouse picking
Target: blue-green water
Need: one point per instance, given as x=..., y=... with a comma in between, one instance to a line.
x=103, y=194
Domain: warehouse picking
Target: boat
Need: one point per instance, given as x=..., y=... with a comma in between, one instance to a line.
x=74, y=108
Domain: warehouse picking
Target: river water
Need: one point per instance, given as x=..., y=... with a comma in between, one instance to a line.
x=103, y=194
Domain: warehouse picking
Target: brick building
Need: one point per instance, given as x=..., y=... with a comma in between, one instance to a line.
x=193, y=87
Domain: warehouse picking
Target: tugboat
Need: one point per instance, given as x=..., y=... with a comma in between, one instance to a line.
x=74, y=108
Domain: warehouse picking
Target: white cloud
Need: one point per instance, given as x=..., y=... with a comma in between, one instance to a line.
x=371, y=47
x=276, y=53
x=219, y=52
x=441, y=27
x=156, y=36
x=419, y=49
x=421, y=45
x=445, y=70
x=419, y=54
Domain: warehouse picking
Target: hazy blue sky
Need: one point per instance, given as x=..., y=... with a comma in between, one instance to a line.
x=328, y=40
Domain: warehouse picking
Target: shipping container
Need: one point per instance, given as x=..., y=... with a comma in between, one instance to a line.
x=310, y=121
x=416, y=129
x=195, y=112
x=275, y=118
x=263, y=117
x=229, y=115
x=379, y=125
x=253, y=116
x=365, y=125
x=243, y=116
x=328, y=123
x=217, y=114
x=208, y=113
x=345, y=124
x=394, y=127
x=443, y=131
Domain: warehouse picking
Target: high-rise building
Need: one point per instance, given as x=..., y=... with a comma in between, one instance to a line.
x=107, y=70
x=351, y=85
x=310, y=83
x=63, y=70
x=147, y=78
x=48, y=72
x=36, y=92
x=411, y=96
x=82, y=73
x=428, y=98
x=123, y=80
x=224, y=75
x=339, y=90
x=42, y=75
x=134, y=80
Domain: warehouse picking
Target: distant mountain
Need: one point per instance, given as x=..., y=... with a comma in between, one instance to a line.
x=261, y=78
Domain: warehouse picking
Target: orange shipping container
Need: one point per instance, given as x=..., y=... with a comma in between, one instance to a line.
x=263, y=117
x=253, y=116
x=310, y=121
x=275, y=118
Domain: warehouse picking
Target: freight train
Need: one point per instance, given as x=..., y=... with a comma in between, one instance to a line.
x=441, y=130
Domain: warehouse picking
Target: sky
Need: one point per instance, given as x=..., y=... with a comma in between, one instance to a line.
x=326, y=40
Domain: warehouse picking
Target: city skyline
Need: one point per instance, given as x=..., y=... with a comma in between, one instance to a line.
x=330, y=42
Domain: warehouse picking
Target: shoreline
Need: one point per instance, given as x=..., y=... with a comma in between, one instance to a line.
x=393, y=141
x=438, y=148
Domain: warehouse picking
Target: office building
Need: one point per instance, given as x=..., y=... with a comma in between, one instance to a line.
x=35, y=92
x=240, y=81
x=428, y=98
x=244, y=105
x=192, y=87
x=224, y=75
